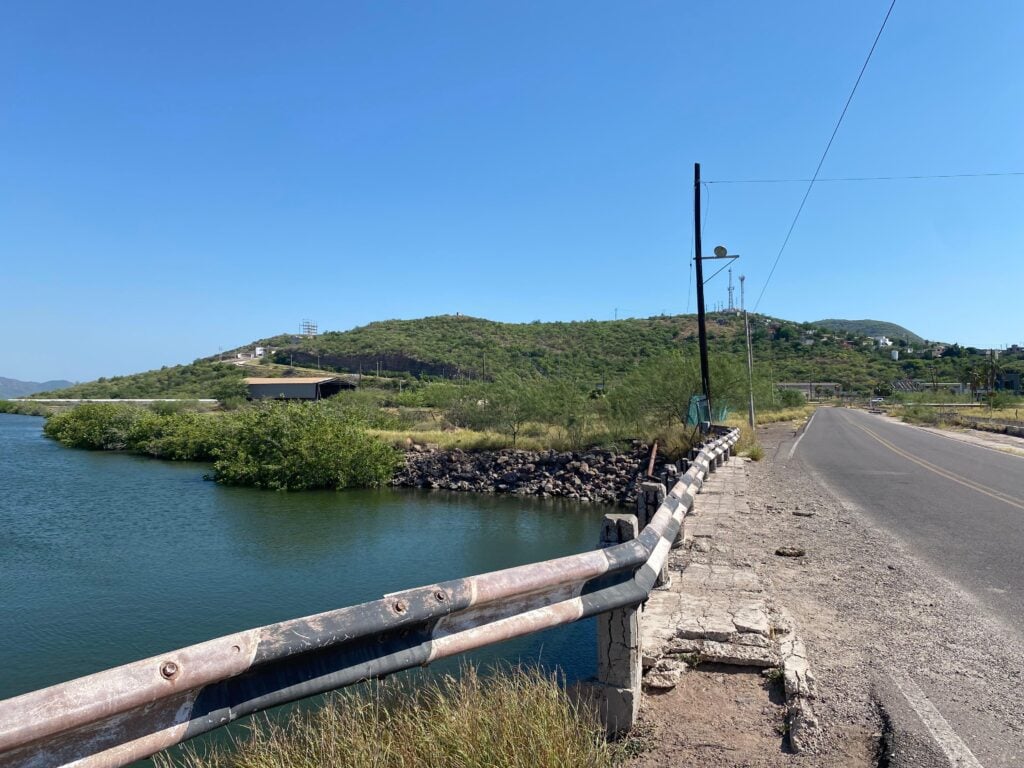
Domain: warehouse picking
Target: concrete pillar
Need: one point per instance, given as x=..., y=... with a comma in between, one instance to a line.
x=649, y=497
x=680, y=535
x=618, y=644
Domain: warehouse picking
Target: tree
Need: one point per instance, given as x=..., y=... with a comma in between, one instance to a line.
x=510, y=402
x=230, y=392
x=566, y=403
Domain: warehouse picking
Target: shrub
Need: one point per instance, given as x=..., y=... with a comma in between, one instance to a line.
x=184, y=437
x=790, y=398
x=293, y=446
x=25, y=409
x=96, y=426
x=267, y=445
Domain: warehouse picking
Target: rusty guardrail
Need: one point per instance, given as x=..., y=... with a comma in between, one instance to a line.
x=130, y=712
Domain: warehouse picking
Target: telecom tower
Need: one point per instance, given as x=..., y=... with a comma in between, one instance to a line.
x=732, y=307
x=309, y=328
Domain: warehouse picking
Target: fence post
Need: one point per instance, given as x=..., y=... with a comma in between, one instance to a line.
x=618, y=644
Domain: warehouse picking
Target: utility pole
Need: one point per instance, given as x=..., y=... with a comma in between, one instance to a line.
x=750, y=354
x=702, y=330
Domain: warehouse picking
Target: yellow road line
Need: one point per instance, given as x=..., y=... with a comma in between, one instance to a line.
x=997, y=495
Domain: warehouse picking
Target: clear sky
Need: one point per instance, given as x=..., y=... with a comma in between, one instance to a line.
x=179, y=177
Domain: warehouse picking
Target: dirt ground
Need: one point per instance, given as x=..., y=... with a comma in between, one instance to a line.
x=717, y=715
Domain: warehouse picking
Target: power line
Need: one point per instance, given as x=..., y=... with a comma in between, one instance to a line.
x=871, y=178
x=824, y=154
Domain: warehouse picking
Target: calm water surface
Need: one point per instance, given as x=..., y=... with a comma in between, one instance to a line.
x=105, y=558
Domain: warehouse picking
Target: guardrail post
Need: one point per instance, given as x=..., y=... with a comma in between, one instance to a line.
x=618, y=644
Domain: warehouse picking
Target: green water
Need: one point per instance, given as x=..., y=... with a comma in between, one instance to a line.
x=107, y=558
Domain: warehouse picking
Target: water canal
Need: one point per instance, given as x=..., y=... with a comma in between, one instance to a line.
x=107, y=558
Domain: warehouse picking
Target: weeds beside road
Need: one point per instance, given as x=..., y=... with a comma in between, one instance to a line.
x=518, y=718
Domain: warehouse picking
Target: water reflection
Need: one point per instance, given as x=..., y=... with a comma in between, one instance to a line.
x=105, y=558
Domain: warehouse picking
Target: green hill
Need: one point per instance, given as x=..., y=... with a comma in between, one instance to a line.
x=455, y=347
x=871, y=328
x=203, y=378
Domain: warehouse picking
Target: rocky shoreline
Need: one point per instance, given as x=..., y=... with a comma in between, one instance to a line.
x=595, y=476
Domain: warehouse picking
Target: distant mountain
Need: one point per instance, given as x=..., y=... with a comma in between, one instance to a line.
x=14, y=388
x=871, y=328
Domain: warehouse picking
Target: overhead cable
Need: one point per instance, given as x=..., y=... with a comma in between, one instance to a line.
x=870, y=178
x=824, y=154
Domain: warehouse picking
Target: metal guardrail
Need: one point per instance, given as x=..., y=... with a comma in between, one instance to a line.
x=130, y=712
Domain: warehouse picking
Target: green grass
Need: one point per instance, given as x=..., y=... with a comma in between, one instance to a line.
x=518, y=718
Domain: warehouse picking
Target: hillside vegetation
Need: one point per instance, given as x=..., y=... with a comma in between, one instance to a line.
x=456, y=346
x=871, y=328
x=201, y=379
x=594, y=354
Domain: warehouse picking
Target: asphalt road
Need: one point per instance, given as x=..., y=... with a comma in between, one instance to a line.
x=958, y=506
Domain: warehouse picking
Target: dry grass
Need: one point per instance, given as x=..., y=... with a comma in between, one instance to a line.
x=673, y=442
x=748, y=444
x=464, y=439
x=515, y=718
x=1012, y=413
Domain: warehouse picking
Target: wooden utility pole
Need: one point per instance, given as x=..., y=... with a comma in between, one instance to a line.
x=750, y=353
x=750, y=367
x=702, y=329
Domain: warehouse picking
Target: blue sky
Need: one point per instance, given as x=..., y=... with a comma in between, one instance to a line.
x=181, y=177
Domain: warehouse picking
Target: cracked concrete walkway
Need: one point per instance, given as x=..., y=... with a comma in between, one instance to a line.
x=716, y=610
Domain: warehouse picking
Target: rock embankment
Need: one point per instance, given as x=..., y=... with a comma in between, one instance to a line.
x=595, y=476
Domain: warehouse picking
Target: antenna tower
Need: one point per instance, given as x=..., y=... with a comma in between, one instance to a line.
x=732, y=307
x=309, y=328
